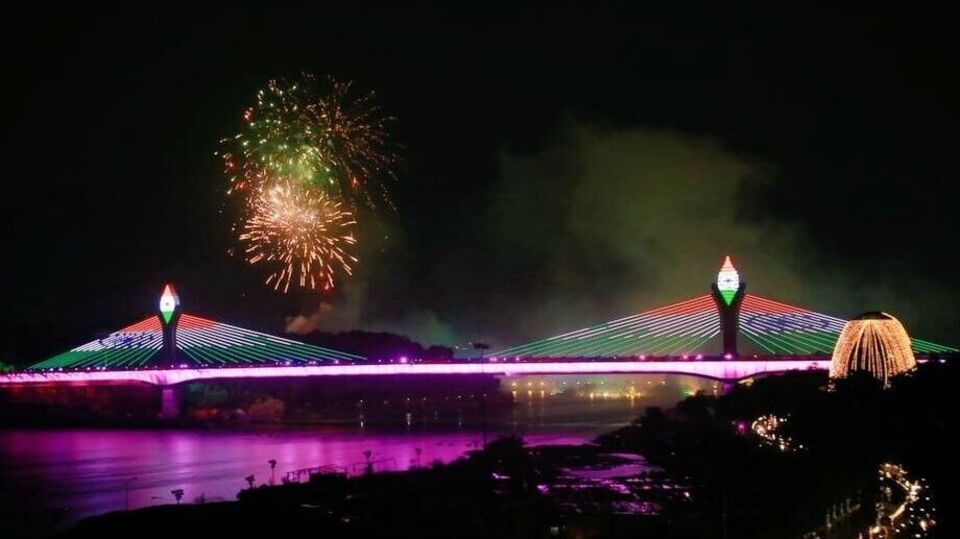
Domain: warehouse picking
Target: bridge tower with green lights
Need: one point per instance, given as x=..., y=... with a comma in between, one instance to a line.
x=728, y=293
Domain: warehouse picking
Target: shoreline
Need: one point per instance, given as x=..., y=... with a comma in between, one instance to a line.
x=756, y=462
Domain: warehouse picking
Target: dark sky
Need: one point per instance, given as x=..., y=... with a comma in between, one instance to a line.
x=561, y=167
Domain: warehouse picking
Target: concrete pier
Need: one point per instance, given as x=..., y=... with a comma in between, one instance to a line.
x=169, y=403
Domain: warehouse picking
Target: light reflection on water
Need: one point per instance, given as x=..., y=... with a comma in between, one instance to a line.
x=58, y=476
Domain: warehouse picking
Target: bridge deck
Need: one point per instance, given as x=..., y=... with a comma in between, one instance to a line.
x=720, y=370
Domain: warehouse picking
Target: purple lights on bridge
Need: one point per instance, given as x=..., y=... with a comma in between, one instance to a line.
x=667, y=340
x=731, y=370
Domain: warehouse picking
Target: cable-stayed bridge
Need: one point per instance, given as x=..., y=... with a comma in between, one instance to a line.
x=685, y=329
x=699, y=336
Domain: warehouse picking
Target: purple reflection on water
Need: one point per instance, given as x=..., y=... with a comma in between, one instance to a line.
x=67, y=474
x=50, y=478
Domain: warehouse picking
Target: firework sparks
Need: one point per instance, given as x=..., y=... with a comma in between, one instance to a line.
x=324, y=136
x=302, y=235
x=305, y=148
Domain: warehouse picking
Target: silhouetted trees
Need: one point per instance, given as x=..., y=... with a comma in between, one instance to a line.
x=846, y=428
x=378, y=346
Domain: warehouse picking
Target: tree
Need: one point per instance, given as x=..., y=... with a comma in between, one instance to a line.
x=267, y=410
x=206, y=395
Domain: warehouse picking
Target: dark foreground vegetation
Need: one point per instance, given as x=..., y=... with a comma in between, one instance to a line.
x=815, y=475
x=826, y=470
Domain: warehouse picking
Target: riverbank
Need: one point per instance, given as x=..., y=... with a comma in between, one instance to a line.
x=780, y=457
x=504, y=490
x=52, y=478
x=797, y=456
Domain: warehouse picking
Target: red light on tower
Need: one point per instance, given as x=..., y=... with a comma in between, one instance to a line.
x=728, y=293
x=169, y=317
x=728, y=281
x=169, y=303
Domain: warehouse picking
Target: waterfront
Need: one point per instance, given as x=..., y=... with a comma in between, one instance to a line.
x=53, y=477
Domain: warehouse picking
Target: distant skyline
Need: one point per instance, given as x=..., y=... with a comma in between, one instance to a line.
x=559, y=169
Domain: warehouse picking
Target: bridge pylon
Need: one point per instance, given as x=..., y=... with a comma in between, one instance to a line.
x=169, y=317
x=728, y=293
x=169, y=403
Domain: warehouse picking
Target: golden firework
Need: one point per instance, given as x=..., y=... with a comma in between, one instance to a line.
x=300, y=234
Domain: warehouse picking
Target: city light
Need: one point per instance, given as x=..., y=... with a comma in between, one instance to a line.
x=905, y=507
x=769, y=430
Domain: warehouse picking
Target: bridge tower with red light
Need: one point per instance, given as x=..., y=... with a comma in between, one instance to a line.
x=728, y=293
x=169, y=317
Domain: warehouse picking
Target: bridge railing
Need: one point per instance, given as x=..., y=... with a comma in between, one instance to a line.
x=359, y=468
x=374, y=466
x=298, y=476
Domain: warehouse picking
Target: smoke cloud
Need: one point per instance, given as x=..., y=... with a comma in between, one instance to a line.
x=597, y=224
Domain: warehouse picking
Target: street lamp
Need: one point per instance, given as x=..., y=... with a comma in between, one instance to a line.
x=369, y=468
x=482, y=347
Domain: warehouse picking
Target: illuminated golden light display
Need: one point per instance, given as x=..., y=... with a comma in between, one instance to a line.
x=874, y=342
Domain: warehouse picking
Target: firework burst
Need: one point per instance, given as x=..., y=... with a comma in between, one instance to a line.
x=300, y=234
x=305, y=148
x=323, y=136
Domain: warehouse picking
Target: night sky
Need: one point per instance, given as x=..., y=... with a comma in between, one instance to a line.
x=561, y=167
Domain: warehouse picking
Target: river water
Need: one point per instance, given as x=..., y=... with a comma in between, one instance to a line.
x=51, y=478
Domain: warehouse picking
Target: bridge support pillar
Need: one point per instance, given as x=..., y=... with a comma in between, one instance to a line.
x=169, y=403
x=728, y=294
x=729, y=311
